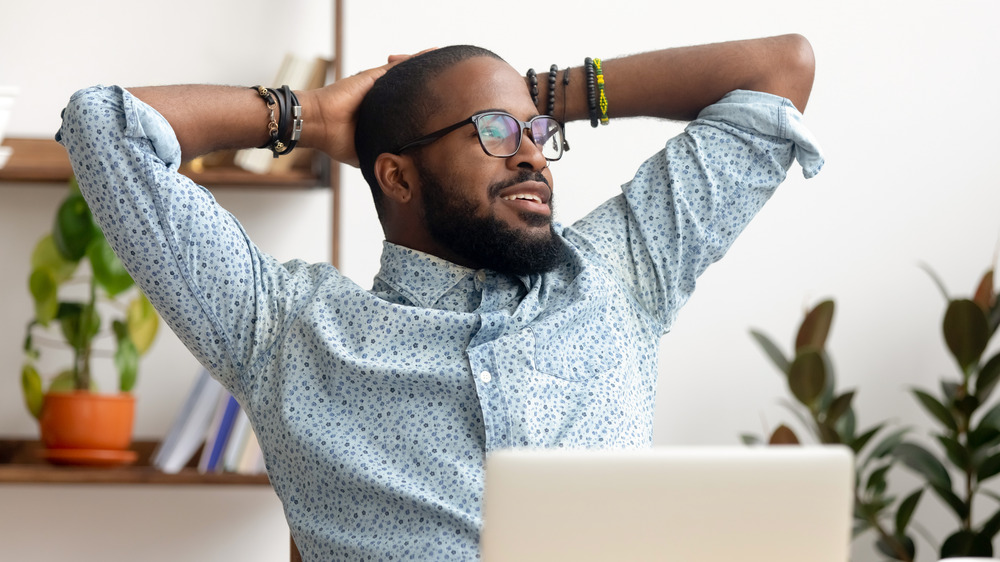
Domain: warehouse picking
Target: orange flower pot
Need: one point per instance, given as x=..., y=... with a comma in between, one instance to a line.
x=85, y=420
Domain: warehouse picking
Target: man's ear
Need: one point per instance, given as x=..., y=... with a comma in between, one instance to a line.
x=395, y=176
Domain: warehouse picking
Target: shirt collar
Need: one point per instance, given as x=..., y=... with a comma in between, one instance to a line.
x=424, y=278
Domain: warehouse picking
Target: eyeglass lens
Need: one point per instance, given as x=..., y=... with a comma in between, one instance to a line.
x=501, y=135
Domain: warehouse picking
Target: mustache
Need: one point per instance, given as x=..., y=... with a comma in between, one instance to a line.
x=521, y=177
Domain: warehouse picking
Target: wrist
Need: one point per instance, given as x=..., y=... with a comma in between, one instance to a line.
x=313, y=134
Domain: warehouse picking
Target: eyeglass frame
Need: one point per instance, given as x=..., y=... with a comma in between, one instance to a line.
x=474, y=119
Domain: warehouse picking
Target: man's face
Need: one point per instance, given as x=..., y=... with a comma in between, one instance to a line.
x=480, y=210
x=454, y=220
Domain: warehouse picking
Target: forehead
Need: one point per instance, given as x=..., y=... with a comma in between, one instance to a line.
x=476, y=84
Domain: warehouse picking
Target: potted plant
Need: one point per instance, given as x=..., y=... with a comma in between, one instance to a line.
x=967, y=439
x=92, y=314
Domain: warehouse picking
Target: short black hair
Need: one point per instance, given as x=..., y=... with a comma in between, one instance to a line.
x=395, y=110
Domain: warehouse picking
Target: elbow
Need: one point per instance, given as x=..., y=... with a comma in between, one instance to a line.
x=798, y=70
x=787, y=68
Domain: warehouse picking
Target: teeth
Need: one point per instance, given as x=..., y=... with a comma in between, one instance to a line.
x=524, y=196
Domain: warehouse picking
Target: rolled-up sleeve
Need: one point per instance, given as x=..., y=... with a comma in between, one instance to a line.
x=214, y=288
x=687, y=203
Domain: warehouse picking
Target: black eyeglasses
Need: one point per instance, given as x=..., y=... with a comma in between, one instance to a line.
x=500, y=134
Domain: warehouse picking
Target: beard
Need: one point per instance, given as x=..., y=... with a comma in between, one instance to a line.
x=455, y=223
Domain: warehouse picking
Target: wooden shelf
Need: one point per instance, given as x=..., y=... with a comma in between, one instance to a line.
x=45, y=161
x=20, y=463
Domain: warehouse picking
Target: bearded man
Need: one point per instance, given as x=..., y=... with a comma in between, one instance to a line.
x=489, y=325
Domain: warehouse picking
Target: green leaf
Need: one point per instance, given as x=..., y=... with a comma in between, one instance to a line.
x=889, y=443
x=815, y=328
x=906, y=543
x=44, y=292
x=966, y=543
x=63, y=382
x=828, y=435
x=71, y=317
x=966, y=331
x=859, y=526
x=906, y=509
x=31, y=387
x=876, y=480
x=73, y=227
x=921, y=461
x=987, y=378
x=863, y=439
x=807, y=377
x=109, y=273
x=989, y=468
x=772, y=351
x=983, y=436
x=956, y=452
x=937, y=280
x=143, y=323
x=991, y=526
x=991, y=418
x=803, y=417
x=966, y=405
x=847, y=426
x=47, y=255
x=839, y=406
x=127, y=363
x=936, y=409
x=956, y=503
x=949, y=389
x=958, y=544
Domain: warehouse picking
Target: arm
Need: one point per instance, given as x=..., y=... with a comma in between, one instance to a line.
x=678, y=83
x=206, y=118
x=708, y=183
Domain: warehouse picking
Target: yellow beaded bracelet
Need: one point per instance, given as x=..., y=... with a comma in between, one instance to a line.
x=603, y=99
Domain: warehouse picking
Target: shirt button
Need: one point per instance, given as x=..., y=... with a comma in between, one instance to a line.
x=485, y=376
x=481, y=276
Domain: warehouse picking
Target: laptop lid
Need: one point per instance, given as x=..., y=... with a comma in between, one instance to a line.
x=690, y=504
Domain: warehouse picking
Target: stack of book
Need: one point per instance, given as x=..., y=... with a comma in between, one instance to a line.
x=212, y=422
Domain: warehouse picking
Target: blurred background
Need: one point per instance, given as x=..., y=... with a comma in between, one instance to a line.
x=902, y=105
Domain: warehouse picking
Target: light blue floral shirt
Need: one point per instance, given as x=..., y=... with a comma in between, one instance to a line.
x=375, y=408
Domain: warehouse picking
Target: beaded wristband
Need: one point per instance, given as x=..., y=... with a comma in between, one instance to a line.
x=562, y=123
x=533, y=85
x=603, y=102
x=553, y=70
x=289, y=113
x=272, y=125
x=588, y=68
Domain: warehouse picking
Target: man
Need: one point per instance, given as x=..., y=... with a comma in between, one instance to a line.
x=488, y=326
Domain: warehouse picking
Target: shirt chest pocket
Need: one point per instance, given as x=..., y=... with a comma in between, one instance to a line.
x=579, y=342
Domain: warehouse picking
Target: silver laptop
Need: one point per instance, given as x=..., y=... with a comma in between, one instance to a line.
x=688, y=504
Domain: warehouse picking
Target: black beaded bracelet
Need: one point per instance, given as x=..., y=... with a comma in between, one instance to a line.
x=588, y=68
x=562, y=123
x=553, y=70
x=533, y=85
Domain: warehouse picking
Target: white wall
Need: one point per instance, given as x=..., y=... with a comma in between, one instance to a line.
x=902, y=105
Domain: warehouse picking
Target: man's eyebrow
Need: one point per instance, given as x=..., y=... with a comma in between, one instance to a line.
x=507, y=111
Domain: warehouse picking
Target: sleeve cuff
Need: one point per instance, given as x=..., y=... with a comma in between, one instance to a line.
x=769, y=115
